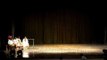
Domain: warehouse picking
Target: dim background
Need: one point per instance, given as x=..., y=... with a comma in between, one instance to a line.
x=54, y=24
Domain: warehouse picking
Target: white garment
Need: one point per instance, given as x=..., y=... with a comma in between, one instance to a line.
x=18, y=42
x=15, y=41
x=10, y=42
x=25, y=42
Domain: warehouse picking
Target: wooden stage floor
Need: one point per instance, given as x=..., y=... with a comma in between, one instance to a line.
x=64, y=50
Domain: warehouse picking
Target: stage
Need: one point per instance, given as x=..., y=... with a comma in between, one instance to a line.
x=64, y=51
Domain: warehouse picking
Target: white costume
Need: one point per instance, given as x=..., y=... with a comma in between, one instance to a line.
x=15, y=41
x=10, y=42
x=18, y=42
x=25, y=42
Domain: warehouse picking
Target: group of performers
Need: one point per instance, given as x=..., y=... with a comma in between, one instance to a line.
x=16, y=44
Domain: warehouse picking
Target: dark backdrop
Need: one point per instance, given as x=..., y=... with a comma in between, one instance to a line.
x=55, y=25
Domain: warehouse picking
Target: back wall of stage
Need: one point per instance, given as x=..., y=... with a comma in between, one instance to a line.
x=56, y=25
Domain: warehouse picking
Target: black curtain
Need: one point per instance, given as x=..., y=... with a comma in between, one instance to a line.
x=54, y=25
x=59, y=26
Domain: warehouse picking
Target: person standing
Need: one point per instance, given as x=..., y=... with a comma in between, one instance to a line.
x=25, y=42
x=12, y=46
x=11, y=42
x=18, y=42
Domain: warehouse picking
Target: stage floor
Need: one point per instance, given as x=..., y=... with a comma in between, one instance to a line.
x=63, y=49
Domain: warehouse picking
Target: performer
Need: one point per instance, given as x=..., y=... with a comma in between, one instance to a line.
x=18, y=43
x=15, y=41
x=11, y=46
x=11, y=41
x=25, y=43
x=19, y=47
